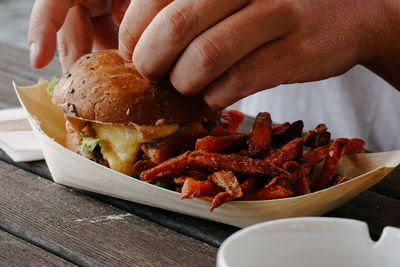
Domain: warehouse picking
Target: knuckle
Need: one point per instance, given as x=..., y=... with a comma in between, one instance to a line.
x=206, y=53
x=287, y=6
x=126, y=38
x=145, y=70
x=66, y=54
x=176, y=22
x=213, y=102
x=237, y=79
x=63, y=49
x=290, y=11
x=35, y=21
x=151, y=3
x=182, y=85
x=141, y=68
x=184, y=82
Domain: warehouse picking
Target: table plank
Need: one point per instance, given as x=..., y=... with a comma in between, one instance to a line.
x=373, y=208
x=390, y=186
x=7, y=95
x=15, y=60
x=88, y=232
x=37, y=167
x=212, y=233
x=17, y=252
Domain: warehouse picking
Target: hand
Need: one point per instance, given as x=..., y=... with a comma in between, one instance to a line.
x=228, y=49
x=81, y=26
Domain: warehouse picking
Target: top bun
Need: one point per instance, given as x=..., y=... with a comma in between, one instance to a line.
x=103, y=87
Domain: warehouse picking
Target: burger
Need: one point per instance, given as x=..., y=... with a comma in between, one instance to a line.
x=115, y=117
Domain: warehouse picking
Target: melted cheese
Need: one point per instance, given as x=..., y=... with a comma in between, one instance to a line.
x=121, y=144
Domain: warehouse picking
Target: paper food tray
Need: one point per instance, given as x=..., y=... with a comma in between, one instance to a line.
x=68, y=168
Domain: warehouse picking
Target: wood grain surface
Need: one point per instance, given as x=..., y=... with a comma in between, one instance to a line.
x=85, y=231
x=17, y=252
x=77, y=226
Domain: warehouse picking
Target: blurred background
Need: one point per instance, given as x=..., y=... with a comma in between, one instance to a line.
x=14, y=20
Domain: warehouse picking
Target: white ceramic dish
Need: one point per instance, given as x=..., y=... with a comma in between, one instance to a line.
x=310, y=242
x=68, y=168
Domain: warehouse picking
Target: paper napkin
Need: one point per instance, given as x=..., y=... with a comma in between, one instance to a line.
x=16, y=137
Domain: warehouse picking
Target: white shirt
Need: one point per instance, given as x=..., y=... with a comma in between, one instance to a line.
x=357, y=104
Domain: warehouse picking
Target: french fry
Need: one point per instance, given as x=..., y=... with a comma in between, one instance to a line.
x=260, y=135
x=194, y=174
x=209, y=172
x=301, y=186
x=207, y=161
x=280, y=127
x=219, y=199
x=173, y=167
x=236, y=163
x=338, y=179
x=315, y=156
x=311, y=158
x=248, y=187
x=192, y=188
x=227, y=181
x=197, y=174
x=288, y=152
x=220, y=131
x=355, y=145
x=284, y=135
x=231, y=119
x=181, y=179
x=318, y=136
x=290, y=165
x=162, y=149
x=222, y=144
x=143, y=165
x=278, y=187
x=336, y=152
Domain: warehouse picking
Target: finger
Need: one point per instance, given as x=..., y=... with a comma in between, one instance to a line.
x=138, y=15
x=173, y=29
x=46, y=19
x=218, y=48
x=75, y=37
x=105, y=33
x=118, y=10
x=268, y=66
x=96, y=8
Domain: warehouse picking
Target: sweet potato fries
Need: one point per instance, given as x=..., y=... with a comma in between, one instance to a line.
x=267, y=163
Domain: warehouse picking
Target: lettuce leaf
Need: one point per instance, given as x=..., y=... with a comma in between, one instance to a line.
x=89, y=144
x=51, y=86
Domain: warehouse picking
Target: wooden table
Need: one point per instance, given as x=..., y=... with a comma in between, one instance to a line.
x=43, y=223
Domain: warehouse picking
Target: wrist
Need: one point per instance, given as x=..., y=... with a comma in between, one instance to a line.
x=384, y=50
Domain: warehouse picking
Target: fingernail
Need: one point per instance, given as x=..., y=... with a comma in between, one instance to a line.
x=32, y=52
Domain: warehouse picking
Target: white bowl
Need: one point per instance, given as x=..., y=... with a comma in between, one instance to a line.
x=311, y=242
